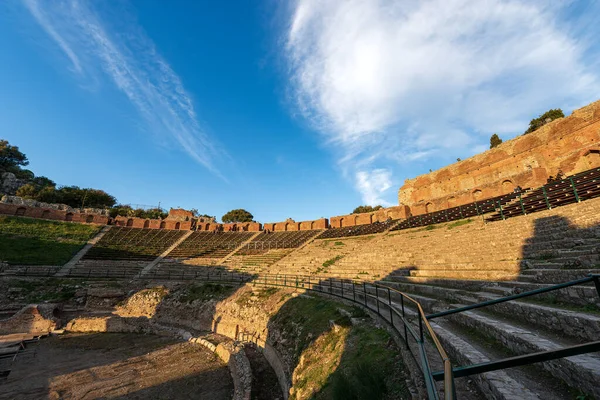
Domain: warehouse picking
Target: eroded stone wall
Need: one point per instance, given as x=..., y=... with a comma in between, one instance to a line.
x=569, y=144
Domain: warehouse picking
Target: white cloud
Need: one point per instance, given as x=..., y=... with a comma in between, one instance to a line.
x=130, y=59
x=391, y=82
x=372, y=184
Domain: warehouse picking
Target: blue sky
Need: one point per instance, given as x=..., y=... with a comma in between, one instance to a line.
x=301, y=109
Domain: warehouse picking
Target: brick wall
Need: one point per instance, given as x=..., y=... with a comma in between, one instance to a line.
x=570, y=144
x=52, y=214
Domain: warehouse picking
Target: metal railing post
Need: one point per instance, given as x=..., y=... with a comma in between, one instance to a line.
x=522, y=206
x=477, y=209
x=574, y=189
x=390, y=306
x=404, y=321
x=461, y=213
x=546, y=197
x=597, y=283
x=501, y=211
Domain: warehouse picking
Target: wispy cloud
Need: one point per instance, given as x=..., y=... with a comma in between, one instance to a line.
x=129, y=58
x=389, y=83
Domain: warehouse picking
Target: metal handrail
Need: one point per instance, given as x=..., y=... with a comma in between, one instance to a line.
x=525, y=359
x=336, y=287
x=309, y=283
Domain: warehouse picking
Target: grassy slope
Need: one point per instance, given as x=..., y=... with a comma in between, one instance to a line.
x=346, y=361
x=30, y=241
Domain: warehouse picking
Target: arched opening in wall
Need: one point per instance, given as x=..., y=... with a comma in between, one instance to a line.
x=89, y=219
x=20, y=211
x=341, y=222
x=130, y=222
x=477, y=194
x=46, y=214
x=287, y=227
x=162, y=224
x=147, y=223
x=69, y=217
x=592, y=159
x=429, y=208
x=312, y=225
x=178, y=225
x=507, y=186
x=207, y=227
x=451, y=202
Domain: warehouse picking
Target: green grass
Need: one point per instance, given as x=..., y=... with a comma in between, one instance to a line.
x=47, y=290
x=369, y=364
x=205, y=292
x=459, y=223
x=28, y=241
x=332, y=261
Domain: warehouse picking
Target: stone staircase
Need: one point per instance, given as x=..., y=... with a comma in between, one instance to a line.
x=555, y=320
x=550, y=246
x=313, y=259
x=256, y=263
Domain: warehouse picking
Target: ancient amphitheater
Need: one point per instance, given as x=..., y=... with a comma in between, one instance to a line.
x=484, y=282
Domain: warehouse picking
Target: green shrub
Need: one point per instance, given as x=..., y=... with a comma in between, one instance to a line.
x=332, y=261
x=543, y=119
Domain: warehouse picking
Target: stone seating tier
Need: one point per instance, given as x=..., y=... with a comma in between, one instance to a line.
x=132, y=244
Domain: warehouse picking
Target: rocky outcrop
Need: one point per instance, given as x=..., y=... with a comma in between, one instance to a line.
x=35, y=318
x=9, y=184
x=19, y=201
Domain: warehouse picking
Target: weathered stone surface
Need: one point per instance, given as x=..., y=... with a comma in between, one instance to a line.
x=9, y=184
x=567, y=144
x=35, y=318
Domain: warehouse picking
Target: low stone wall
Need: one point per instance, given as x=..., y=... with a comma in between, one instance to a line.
x=291, y=225
x=146, y=223
x=42, y=212
x=231, y=353
x=33, y=318
x=398, y=212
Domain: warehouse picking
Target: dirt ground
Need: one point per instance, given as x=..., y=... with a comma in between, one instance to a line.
x=117, y=366
x=265, y=385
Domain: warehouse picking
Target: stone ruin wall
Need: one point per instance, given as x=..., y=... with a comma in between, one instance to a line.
x=398, y=212
x=13, y=205
x=291, y=225
x=568, y=144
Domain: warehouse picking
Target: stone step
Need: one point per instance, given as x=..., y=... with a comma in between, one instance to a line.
x=579, y=325
x=554, y=275
x=467, y=275
x=580, y=372
x=581, y=295
x=496, y=385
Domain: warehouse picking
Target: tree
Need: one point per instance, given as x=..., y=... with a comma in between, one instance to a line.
x=10, y=157
x=28, y=191
x=238, y=215
x=365, y=209
x=543, y=119
x=495, y=141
